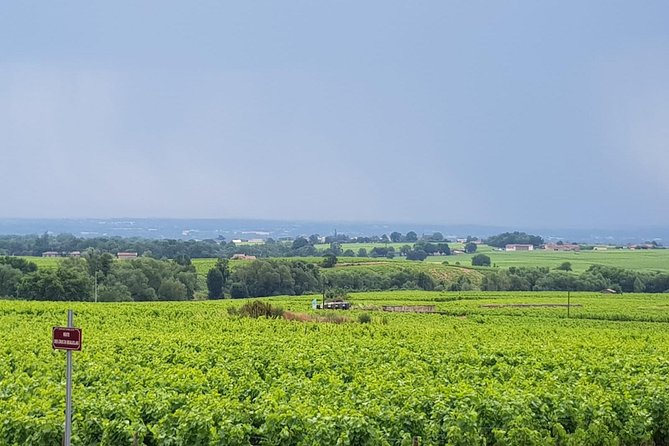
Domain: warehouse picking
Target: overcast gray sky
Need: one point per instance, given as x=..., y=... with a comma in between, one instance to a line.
x=500, y=113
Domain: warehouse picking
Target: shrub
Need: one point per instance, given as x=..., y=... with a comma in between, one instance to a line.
x=480, y=260
x=364, y=318
x=257, y=309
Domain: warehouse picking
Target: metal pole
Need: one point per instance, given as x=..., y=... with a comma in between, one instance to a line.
x=96, y=286
x=68, y=386
x=568, y=303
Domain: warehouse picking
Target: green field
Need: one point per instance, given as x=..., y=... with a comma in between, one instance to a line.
x=641, y=260
x=191, y=374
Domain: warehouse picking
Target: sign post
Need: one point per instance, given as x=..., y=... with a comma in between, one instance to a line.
x=67, y=338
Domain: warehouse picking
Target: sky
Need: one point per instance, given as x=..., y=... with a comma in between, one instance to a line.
x=524, y=113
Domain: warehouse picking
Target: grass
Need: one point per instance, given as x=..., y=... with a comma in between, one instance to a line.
x=642, y=260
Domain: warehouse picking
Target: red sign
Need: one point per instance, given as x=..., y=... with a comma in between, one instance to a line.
x=65, y=338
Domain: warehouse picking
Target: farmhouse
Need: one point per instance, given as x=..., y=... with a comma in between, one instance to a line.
x=50, y=254
x=519, y=247
x=126, y=255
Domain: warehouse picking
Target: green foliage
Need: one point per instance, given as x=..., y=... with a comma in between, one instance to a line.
x=172, y=289
x=256, y=309
x=416, y=255
x=480, y=260
x=565, y=266
x=238, y=290
x=329, y=261
x=186, y=373
x=9, y=280
x=471, y=247
x=22, y=265
x=364, y=318
x=501, y=240
x=271, y=278
x=215, y=283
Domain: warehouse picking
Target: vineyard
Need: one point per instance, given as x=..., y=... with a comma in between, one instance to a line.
x=194, y=373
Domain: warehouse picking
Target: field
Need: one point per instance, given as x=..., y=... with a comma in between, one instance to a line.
x=641, y=260
x=189, y=373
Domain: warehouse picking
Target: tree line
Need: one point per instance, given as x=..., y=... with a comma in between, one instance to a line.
x=595, y=278
x=97, y=274
x=36, y=245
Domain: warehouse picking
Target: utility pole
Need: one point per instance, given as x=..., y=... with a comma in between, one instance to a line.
x=96, y=287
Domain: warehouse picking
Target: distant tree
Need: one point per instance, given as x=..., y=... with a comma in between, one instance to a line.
x=349, y=253
x=384, y=238
x=329, y=261
x=362, y=252
x=405, y=249
x=480, y=260
x=416, y=254
x=9, y=280
x=22, y=265
x=172, y=289
x=215, y=283
x=183, y=260
x=470, y=247
x=41, y=285
x=411, y=237
x=501, y=240
x=335, y=247
x=98, y=261
x=443, y=249
x=238, y=291
x=223, y=265
x=300, y=242
x=425, y=281
x=564, y=266
x=437, y=237
x=114, y=292
x=395, y=237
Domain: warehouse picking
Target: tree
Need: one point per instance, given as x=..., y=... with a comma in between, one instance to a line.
x=300, y=242
x=470, y=247
x=329, y=261
x=9, y=280
x=362, y=252
x=238, y=291
x=18, y=263
x=172, y=289
x=395, y=237
x=183, y=260
x=348, y=253
x=506, y=238
x=41, y=285
x=564, y=266
x=416, y=254
x=480, y=260
x=115, y=292
x=223, y=265
x=98, y=261
x=214, y=284
x=437, y=237
x=411, y=237
x=335, y=248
